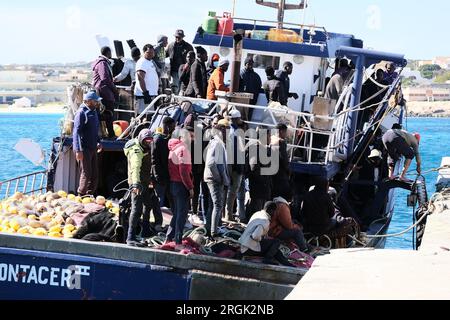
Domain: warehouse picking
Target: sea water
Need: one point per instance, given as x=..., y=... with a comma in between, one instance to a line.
x=43, y=128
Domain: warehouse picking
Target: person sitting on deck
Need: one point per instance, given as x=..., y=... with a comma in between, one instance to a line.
x=318, y=210
x=399, y=143
x=255, y=241
x=283, y=228
x=216, y=82
x=143, y=197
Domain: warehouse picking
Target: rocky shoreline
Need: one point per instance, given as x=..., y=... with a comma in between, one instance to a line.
x=439, y=109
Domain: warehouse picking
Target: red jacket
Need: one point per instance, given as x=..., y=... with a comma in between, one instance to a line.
x=180, y=166
x=282, y=220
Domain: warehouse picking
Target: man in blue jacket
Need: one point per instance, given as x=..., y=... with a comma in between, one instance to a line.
x=86, y=143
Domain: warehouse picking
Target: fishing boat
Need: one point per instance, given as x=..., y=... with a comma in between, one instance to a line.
x=37, y=267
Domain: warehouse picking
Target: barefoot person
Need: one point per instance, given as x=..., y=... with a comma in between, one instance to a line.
x=399, y=143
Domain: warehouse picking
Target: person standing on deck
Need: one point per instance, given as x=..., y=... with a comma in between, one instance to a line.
x=217, y=82
x=273, y=88
x=160, y=154
x=283, y=76
x=390, y=75
x=86, y=143
x=143, y=197
x=251, y=83
x=399, y=143
x=147, y=80
x=281, y=180
x=237, y=168
x=102, y=81
x=185, y=73
x=177, y=52
x=181, y=183
x=216, y=175
x=198, y=82
x=129, y=69
x=160, y=61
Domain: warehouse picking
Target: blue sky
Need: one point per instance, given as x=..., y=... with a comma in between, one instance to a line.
x=64, y=31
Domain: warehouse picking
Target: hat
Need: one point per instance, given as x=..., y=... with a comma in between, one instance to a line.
x=375, y=154
x=224, y=123
x=235, y=114
x=249, y=59
x=200, y=50
x=281, y=200
x=92, y=95
x=145, y=134
x=223, y=62
x=135, y=52
x=161, y=38
x=179, y=33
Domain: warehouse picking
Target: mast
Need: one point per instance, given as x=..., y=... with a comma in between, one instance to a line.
x=282, y=6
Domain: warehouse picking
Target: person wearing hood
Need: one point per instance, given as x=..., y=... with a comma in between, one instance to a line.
x=160, y=62
x=102, y=81
x=251, y=83
x=143, y=198
x=198, y=82
x=255, y=240
x=217, y=82
x=86, y=143
x=212, y=64
x=160, y=154
x=177, y=52
x=216, y=175
x=181, y=183
x=185, y=73
x=318, y=209
x=283, y=228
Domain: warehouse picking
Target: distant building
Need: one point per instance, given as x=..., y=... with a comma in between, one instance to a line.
x=443, y=62
x=429, y=94
x=422, y=63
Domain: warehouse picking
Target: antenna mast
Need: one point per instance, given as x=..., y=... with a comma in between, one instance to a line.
x=282, y=6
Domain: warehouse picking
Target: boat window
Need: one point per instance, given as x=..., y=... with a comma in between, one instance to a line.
x=263, y=61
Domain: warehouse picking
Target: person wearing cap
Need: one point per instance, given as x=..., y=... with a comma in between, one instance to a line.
x=251, y=83
x=236, y=165
x=400, y=143
x=129, y=68
x=160, y=154
x=147, y=80
x=185, y=73
x=217, y=80
x=283, y=228
x=102, y=81
x=198, y=82
x=283, y=76
x=177, y=52
x=86, y=143
x=143, y=198
x=160, y=61
x=216, y=175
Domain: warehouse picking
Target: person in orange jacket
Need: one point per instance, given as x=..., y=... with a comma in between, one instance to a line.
x=216, y=82
x=283, y=228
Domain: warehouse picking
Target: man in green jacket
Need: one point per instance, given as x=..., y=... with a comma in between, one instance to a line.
x=143, y=197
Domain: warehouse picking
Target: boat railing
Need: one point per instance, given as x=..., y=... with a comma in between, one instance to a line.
x=34, y=183
x=301, y=124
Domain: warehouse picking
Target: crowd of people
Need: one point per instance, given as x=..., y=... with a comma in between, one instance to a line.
x=162, y=171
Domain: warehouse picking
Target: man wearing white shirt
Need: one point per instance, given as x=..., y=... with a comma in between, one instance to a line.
x=147, y=80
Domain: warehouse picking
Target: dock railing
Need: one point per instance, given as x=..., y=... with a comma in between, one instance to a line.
x=33, y=183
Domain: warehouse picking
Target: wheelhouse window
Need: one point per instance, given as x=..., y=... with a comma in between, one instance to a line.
x=263, y=61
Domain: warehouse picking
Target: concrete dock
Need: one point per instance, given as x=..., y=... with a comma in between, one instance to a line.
x=367, y=274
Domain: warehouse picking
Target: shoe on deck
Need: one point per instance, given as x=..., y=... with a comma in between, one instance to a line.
x=136, y=244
